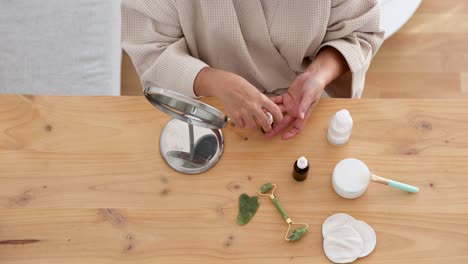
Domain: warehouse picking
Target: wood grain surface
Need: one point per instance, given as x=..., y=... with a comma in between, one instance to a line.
x=427, y=58
x=82, y=181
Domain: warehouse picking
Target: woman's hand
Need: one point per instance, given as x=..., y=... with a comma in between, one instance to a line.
x=306, y=91
x=243, y=102
x=247, y=106
x=297, y=104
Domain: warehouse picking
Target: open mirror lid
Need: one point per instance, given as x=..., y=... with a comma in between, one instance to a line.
x=186, y=109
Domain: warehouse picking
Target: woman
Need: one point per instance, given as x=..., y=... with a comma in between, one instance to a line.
x=256, y=56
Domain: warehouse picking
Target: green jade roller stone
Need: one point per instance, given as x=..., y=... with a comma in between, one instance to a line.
x=247, y=208
x=298, y=233
x=266, y=188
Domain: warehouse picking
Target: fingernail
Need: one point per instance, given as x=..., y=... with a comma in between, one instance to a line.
x=302, y=115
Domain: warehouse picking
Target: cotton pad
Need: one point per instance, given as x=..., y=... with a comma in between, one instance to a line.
x=367, y=234
x=340, y=243
x=335, y=221
x=343, y=245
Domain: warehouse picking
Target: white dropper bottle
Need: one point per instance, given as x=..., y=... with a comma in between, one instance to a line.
x=340, y=128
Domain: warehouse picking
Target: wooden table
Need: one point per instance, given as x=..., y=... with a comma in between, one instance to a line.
x=82, y=181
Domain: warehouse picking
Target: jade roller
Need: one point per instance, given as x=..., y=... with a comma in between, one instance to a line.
x=268, y=189
x=351, y=178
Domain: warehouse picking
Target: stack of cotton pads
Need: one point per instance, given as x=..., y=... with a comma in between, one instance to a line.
x=346, y=239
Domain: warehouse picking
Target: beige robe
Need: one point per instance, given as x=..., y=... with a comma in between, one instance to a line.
x=268, y=42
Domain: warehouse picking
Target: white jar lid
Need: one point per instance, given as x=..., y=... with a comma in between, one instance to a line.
x=351, y=178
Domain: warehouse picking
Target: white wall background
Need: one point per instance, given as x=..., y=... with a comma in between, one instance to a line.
x=60, y=47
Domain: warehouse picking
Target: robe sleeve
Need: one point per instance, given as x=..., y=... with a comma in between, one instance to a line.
x=354, y=30
x=153, y=38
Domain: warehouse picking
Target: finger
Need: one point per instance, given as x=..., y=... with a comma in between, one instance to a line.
x=274, y=110
x=309, y=96
x=250, y=122
x=263, y=121
x=277, y=99
x=279, y=127
x=306, y=103
x=282, y=108
x=238, y=122
x=298, y=125
x=297, y=128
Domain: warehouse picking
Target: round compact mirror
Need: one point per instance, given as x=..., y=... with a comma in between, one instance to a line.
x=192, y=142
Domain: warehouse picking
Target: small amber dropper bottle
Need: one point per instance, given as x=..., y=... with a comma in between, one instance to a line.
x=301, y=169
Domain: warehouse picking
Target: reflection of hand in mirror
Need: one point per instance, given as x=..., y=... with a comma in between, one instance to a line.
x=244, y=103
x=206, y=147
x=204, y=150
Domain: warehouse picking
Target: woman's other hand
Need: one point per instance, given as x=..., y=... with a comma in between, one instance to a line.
x=297, y=104
x=306, y=91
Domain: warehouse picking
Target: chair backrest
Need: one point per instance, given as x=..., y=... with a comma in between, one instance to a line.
x=69, y=47
x=395, y=13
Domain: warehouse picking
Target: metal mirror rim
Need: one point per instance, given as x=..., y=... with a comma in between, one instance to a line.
x=176, y=105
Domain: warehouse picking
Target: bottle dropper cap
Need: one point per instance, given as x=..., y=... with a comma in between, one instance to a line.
x=270, y=117
x=342, y=122
x=302, y=163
